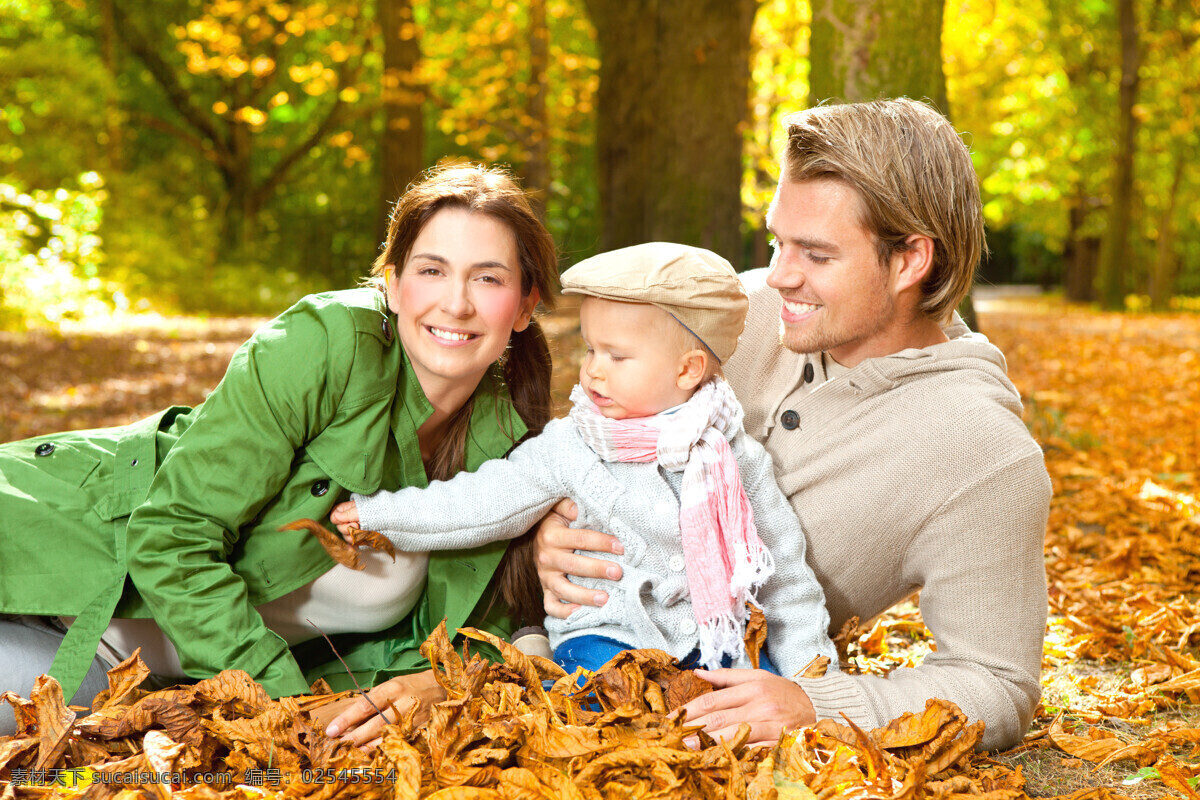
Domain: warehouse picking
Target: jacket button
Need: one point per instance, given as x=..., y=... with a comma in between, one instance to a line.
x=809, y=372
x=43, y=449
x=790, y=419
x=320, y=489
x=387, y=329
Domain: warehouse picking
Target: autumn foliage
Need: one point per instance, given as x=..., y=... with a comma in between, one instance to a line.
x=521, y=728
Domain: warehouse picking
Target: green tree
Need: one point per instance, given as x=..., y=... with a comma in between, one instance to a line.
x=1041, y=83
x=1029, y=81
x=53, y=89
x=515, y=83
x=254, y=86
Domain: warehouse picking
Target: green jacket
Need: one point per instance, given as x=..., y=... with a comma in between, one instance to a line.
x=176, y=517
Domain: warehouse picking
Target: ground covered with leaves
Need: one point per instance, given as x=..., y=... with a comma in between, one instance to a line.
x=1112, y=398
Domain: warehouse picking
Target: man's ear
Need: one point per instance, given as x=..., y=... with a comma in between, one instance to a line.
x=693, y=366
x=911, y=266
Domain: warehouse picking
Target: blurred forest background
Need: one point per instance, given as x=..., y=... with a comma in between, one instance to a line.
x=227, y=156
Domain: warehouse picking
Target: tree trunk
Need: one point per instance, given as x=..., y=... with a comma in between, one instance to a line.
x=674, y=78
x=868, y=49
x=1114, y=255
x=402, y=149
x=536, y=170
x=239, y=221
x=1080, y=255
x=113, y=130
x=1162, y=276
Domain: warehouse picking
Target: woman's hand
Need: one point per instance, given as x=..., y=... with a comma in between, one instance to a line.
x=345, y=517
x=358, y=722
x=554, y=549
x=770, y=703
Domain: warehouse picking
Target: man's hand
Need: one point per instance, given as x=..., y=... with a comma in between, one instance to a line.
x=358, y=722
x=554, y=549
x=770, y=703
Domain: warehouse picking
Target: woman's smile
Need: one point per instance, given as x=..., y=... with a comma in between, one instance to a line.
x=450, y=336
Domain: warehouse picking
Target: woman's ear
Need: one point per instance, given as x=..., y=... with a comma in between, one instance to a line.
x=391, y=287
x=693, y=367
x=528, y=304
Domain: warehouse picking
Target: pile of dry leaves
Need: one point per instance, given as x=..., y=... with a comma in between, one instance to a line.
x=522, y=728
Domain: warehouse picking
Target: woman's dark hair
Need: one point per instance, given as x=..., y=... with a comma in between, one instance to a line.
x=526, y=364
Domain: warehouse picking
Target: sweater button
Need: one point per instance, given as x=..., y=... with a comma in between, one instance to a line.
x=676, y=563
x=687, y=627
x=320, y=489
x=43, y=449
x=790, y=420
x=809, y=372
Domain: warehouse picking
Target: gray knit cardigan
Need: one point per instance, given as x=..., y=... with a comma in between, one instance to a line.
x=637, y=503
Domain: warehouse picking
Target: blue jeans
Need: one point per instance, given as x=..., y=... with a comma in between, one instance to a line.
x=591, y=652
x=27, y=646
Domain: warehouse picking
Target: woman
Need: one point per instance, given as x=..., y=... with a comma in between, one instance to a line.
x=165, y=534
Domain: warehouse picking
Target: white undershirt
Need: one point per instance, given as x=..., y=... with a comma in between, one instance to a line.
x=340, y=601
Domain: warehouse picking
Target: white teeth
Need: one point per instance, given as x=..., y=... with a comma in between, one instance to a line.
x=449, y=335
x=800, y=308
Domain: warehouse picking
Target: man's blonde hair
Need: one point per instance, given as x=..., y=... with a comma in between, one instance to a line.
x=913, y=175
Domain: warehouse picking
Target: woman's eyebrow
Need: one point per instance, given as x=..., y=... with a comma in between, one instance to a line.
x=492, y=265
x=443, y=260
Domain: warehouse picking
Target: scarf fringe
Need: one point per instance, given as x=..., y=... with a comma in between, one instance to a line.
x=720, y=637
x=752, y=566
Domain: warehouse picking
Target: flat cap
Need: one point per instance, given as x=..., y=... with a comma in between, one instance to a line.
x=695, y=286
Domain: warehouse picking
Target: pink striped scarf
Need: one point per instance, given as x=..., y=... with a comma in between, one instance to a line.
x=724, y=557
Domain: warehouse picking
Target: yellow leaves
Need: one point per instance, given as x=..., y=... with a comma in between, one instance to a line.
x=262, y=66
x=253, y=117
x=500, y=733
x=300, y=74
x=755, y=636
x=314, y=78
x=341, y=551
x=54, y=721
x=1102, y=747
x=338, y=52
x=1104, y=398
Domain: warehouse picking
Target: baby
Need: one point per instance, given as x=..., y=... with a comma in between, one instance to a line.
x=653, y=452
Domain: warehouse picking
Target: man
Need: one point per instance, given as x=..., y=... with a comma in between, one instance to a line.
x=896, y=435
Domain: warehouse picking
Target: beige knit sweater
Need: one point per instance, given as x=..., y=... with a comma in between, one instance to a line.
x=912, y=471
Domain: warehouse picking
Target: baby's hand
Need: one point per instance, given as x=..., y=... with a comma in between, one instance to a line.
x=345, y=517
